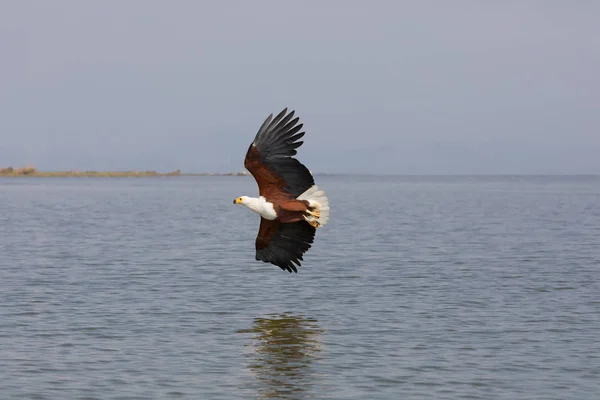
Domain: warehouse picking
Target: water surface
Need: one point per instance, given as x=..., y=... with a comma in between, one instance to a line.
x=419, y=287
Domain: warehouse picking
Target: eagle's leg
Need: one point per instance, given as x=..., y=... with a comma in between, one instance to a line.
x=314, y=223
x=315, y=214
x=312, y=219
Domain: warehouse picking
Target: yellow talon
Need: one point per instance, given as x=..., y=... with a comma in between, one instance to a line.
x=314, y=224
x=315, y=214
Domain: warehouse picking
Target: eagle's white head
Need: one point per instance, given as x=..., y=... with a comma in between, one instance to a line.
x=259, y=205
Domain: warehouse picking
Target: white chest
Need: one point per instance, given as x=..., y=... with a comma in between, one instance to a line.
x=262, y=207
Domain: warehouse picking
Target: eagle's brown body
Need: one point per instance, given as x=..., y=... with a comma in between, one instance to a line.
x=288, y=209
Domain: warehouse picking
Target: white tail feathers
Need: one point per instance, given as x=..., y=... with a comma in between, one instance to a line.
x=317, y=199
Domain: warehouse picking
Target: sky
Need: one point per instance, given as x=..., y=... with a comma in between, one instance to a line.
x=382, y=87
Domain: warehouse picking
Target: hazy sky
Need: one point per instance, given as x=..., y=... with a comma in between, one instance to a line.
x=382, y=86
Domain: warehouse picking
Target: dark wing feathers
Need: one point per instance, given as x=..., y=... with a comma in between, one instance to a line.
x=276, y=142
x=283, y=244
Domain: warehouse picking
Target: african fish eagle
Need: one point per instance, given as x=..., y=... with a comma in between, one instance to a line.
x=290, y=205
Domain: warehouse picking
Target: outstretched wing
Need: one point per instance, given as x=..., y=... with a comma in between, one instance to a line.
x=283, y=244
x=270, y=157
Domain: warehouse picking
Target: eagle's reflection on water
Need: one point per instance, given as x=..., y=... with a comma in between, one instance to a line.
x=283, y=348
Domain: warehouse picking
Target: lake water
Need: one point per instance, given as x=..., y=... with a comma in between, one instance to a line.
x=418, y=288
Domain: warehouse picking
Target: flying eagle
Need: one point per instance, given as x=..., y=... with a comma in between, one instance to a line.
x=290, y=205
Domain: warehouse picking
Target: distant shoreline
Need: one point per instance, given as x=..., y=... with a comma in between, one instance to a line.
x=32, y=172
